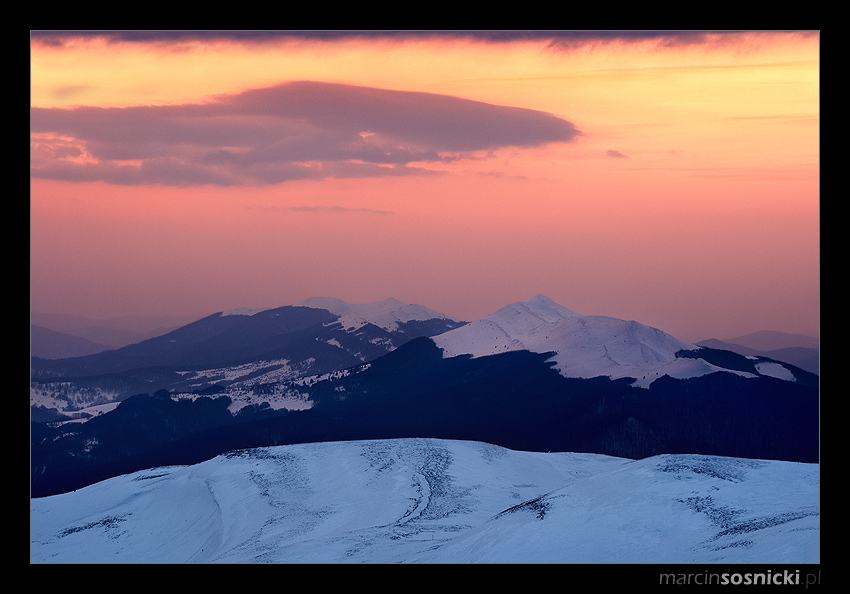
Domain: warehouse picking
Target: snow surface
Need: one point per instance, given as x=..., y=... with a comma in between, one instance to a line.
x=431, y=500
x=244, y=311
x=775, y=370
x=280, y=370
x=584, y=346
x=386, y=314
x=66, y=397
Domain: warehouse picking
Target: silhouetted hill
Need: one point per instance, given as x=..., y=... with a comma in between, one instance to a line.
x=49, y=344
x=803, y=357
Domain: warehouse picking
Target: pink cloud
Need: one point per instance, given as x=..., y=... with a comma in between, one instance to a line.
x=296, y=130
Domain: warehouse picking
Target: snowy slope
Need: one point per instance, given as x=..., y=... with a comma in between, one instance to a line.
x=385, y=314
x=584, y=346
x=428, y=500
x=663, y=509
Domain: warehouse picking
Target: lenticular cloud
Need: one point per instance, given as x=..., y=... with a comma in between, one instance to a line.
x=296, y=130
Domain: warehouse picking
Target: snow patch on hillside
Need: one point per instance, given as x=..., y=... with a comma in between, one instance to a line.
x=244, y=311
x=82, y=402
x=775, y=370
x=275, y=397
x=274, y=382
x=234, y=373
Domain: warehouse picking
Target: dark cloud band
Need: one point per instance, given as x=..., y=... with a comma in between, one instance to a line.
x=296, y=130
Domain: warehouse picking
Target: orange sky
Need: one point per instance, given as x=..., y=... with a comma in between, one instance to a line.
x=689, y=201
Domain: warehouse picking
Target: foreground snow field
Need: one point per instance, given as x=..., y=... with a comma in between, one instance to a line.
x=430, y=500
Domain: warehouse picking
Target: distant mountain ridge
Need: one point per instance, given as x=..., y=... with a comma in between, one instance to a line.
x=532, y=376
x=807, y=358
x=388, y=314
x=50, y=344
x=113, y=332
x=771, y=340
x=291, y=341
x=243, y=335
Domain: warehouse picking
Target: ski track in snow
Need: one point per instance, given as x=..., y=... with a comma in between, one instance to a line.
x=431, y=500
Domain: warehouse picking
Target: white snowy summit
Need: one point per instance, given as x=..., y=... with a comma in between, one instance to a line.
x=584, y=346
x=386, y=314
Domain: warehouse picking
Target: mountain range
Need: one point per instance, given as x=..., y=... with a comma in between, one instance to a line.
x=56, y=336
x=316, y=336
x=532, y=376
x=245, y=335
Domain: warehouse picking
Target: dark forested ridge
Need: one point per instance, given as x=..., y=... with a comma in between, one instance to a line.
x=309, y=341
x=293, y=332
x=515, y=399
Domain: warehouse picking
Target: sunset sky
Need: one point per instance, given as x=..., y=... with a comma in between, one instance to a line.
x=669, y=178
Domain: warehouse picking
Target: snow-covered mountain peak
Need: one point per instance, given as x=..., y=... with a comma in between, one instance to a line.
x=584, y=346
x=387, y=314
x=514, y=327
x=539, y=309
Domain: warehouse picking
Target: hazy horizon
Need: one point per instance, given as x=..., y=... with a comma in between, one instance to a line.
x=147, y=323
x=668, y=178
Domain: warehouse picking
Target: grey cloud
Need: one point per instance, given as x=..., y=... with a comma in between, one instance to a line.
x=296, y=130
x=616, y=154
x=429, y=121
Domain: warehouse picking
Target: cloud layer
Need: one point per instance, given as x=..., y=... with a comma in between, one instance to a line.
x=563, y=39
x=296, y=130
